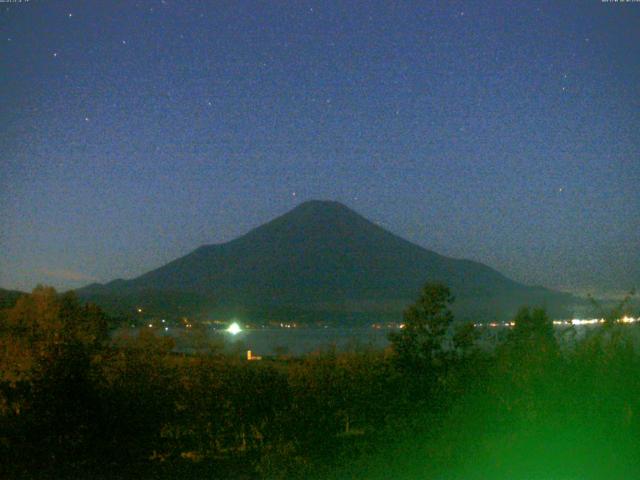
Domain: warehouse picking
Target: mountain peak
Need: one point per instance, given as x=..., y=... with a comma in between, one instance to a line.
x=322, y=205
x=324, y=220
x=317, y=213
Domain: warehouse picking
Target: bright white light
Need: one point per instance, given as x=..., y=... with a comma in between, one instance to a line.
x=234, y=328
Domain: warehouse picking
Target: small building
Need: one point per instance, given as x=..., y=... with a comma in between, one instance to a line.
x=251, y=356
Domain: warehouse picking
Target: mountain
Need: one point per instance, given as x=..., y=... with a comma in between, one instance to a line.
x=319, y=259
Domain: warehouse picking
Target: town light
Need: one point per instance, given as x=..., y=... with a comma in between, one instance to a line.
x=234, y=328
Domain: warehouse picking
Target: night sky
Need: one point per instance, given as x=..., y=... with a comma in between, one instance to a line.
x=504, y=132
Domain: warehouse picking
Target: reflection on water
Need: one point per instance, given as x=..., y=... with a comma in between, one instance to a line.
x=300, y=341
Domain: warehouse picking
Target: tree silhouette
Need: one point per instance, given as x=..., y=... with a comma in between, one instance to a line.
x=48, y=344
x=421, y=341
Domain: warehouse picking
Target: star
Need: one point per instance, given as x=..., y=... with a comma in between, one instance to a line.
x=55, y=54
x=70, y=15
x=86, y=119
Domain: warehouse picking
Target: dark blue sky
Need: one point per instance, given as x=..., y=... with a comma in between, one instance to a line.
x=504, y=132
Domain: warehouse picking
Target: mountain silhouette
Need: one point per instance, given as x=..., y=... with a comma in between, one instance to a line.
x=319, y=258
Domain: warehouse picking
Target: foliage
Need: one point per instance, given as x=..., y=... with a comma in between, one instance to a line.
x=76, y=404
x=47, y=345
x=420, y=344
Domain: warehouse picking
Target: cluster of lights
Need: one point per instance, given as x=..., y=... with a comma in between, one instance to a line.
x=579, y=321
x=162, y=321
x=574, y=321
x=166, y=329
x=495, y=324
x=390, y=325
x=594, y=321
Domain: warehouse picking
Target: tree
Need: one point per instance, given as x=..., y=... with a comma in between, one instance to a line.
x=528, y=369
x=533, y=333
x=420, y=343
x=464, y=339
x=47, y=344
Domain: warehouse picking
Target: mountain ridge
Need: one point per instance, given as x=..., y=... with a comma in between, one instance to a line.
x=323, y=255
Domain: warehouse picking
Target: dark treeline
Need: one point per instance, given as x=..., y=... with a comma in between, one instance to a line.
x=76, y=404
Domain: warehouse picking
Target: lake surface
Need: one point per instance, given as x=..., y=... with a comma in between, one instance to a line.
x=303, y=340
x=300, y=341
x=274, y=341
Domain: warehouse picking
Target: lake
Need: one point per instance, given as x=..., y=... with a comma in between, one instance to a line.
x=300, y=341
x=274, y=341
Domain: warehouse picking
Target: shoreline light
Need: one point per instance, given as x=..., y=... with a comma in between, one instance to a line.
x=234, y=328
x=573, y=321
